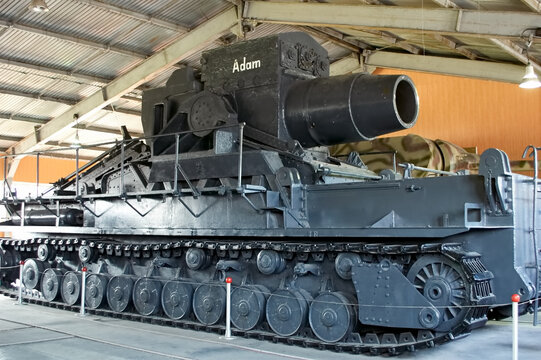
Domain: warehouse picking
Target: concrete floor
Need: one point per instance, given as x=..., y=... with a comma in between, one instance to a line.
x=36, y=332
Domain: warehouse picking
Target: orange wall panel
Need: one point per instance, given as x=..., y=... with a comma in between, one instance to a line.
x=50, y=169
x=476, y=113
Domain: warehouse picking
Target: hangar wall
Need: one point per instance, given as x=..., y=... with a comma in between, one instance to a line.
x=476, y=113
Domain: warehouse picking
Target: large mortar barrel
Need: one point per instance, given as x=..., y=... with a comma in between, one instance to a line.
x=349, y=108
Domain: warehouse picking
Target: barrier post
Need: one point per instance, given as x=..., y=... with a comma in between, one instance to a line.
x=83, y=288
x=228, y=336
x=21, y=264
x=515, y=299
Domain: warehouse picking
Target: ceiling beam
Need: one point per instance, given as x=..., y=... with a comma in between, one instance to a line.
x=516, y=51
x=505, y=44
x=336, y=37
x=69, y=145
x=457, y=46
x=141, y=73
x=55, y=70
x=345, y=65
x=396, y=40
x=535, y=5
x=5, y=116
x=106, y=130
x=10, y=138
x=72, y=39
x=448, y=41
x=447, y=21
x=136, y=15
x=350, y=64
x=61, y=100
x=38, y=96
x=448, y=66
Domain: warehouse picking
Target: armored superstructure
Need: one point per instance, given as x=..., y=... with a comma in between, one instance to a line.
x=234, y=179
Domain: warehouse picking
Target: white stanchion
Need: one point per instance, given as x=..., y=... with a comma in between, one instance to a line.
x=21, y=265
x=515, y=300
x=83, y=289
x=228, y=282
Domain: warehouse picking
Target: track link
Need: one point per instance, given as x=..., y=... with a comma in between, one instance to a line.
x=378, y=341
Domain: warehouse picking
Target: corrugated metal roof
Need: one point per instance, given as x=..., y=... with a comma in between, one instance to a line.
x=113, y=121
x=81, y=20
x=41, y=107
x=108, y=64
x=16, y=128
x=190, y=12
x=145, y=38
x=10, y=69
x=42, y=50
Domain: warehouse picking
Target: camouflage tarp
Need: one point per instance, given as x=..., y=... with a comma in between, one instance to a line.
x=433, y=154
x=439, y=155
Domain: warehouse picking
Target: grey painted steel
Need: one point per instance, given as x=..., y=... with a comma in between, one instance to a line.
x=248, y=305
x=71, y=287
x=51, y=283
x=147, y=296
x=119, y=292
x=209, y=303
x=46, y=252
x=96, y=287
x=287, y=311
x=223, y=187
x=392, y=299
x=32, y=273
x=332, y=316
x=177, y=299
x=443, y=283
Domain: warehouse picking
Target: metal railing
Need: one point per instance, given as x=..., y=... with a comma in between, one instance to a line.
x=533, y=153
x=10, y=196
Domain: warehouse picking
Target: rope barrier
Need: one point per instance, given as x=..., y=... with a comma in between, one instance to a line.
x=8, y=267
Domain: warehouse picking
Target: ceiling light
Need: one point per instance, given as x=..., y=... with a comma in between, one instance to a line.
x=530, y=79
x=76, y=144
x=38, y=6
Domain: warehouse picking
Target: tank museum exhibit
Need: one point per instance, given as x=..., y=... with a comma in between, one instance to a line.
x=270, y=179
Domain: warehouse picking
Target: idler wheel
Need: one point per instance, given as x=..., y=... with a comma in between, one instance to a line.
x=287, y=311
x=95, y=289
x=332, y=317
x=119, y=292
x=50, y=283
x=147, y=296
x=71, y=287
x=270, y=262
x=177, y=299
x=32, y=272
x=444, y=284
x=209, y=303
x=46, y=252
x=248, y=306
